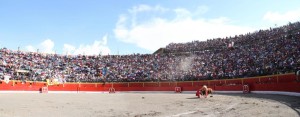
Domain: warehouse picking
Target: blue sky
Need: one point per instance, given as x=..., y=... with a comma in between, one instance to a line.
x=95, y=27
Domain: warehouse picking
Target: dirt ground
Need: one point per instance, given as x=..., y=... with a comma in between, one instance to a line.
x=147, y=105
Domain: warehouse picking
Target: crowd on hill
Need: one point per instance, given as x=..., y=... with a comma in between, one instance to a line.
x=265, y=52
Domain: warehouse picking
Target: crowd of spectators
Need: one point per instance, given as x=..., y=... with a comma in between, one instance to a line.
x=265, y=52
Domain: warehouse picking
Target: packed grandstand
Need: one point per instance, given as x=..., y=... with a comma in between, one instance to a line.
x=264, y=52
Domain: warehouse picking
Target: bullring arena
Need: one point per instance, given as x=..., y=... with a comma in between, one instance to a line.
x=147, y=105
x=147, y=99
x=256, y=74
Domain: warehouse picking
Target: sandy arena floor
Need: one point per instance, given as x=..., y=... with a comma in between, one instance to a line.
x=147, y=105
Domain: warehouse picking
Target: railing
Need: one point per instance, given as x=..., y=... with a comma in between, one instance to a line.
x=254, y=83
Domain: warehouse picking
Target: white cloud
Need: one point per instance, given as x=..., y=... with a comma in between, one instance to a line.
x=68, y=49
x=45, y=47
x=182, y=13
x=157, y=31
x=147, y=8
x=98, y=47
x=282, y=18
x=139, y=11
x=30, y=48
x=201, y=10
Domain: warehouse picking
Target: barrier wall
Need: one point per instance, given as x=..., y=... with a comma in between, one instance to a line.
x=286, y=82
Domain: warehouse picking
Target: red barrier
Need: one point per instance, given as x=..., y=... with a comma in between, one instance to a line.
x=135, y=84
x=184, y=84
x=267, y=80
x=217, y=83
x=150, y=84
x=287, y=78
x=200, y=83
x=168, y=84
x=234, y=81
x=290, y=87
x=229, y=88
x=267, y=83
x=250, y=80
x=118, y=85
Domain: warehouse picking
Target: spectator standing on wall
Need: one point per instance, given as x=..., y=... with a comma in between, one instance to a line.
x=104, y=74
x=297, y=73
x=22, y=78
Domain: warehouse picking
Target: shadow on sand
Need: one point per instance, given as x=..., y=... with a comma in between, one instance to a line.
x=291, y=101
x=193, y=98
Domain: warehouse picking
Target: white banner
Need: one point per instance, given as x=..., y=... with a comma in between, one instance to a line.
x=6, y=78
